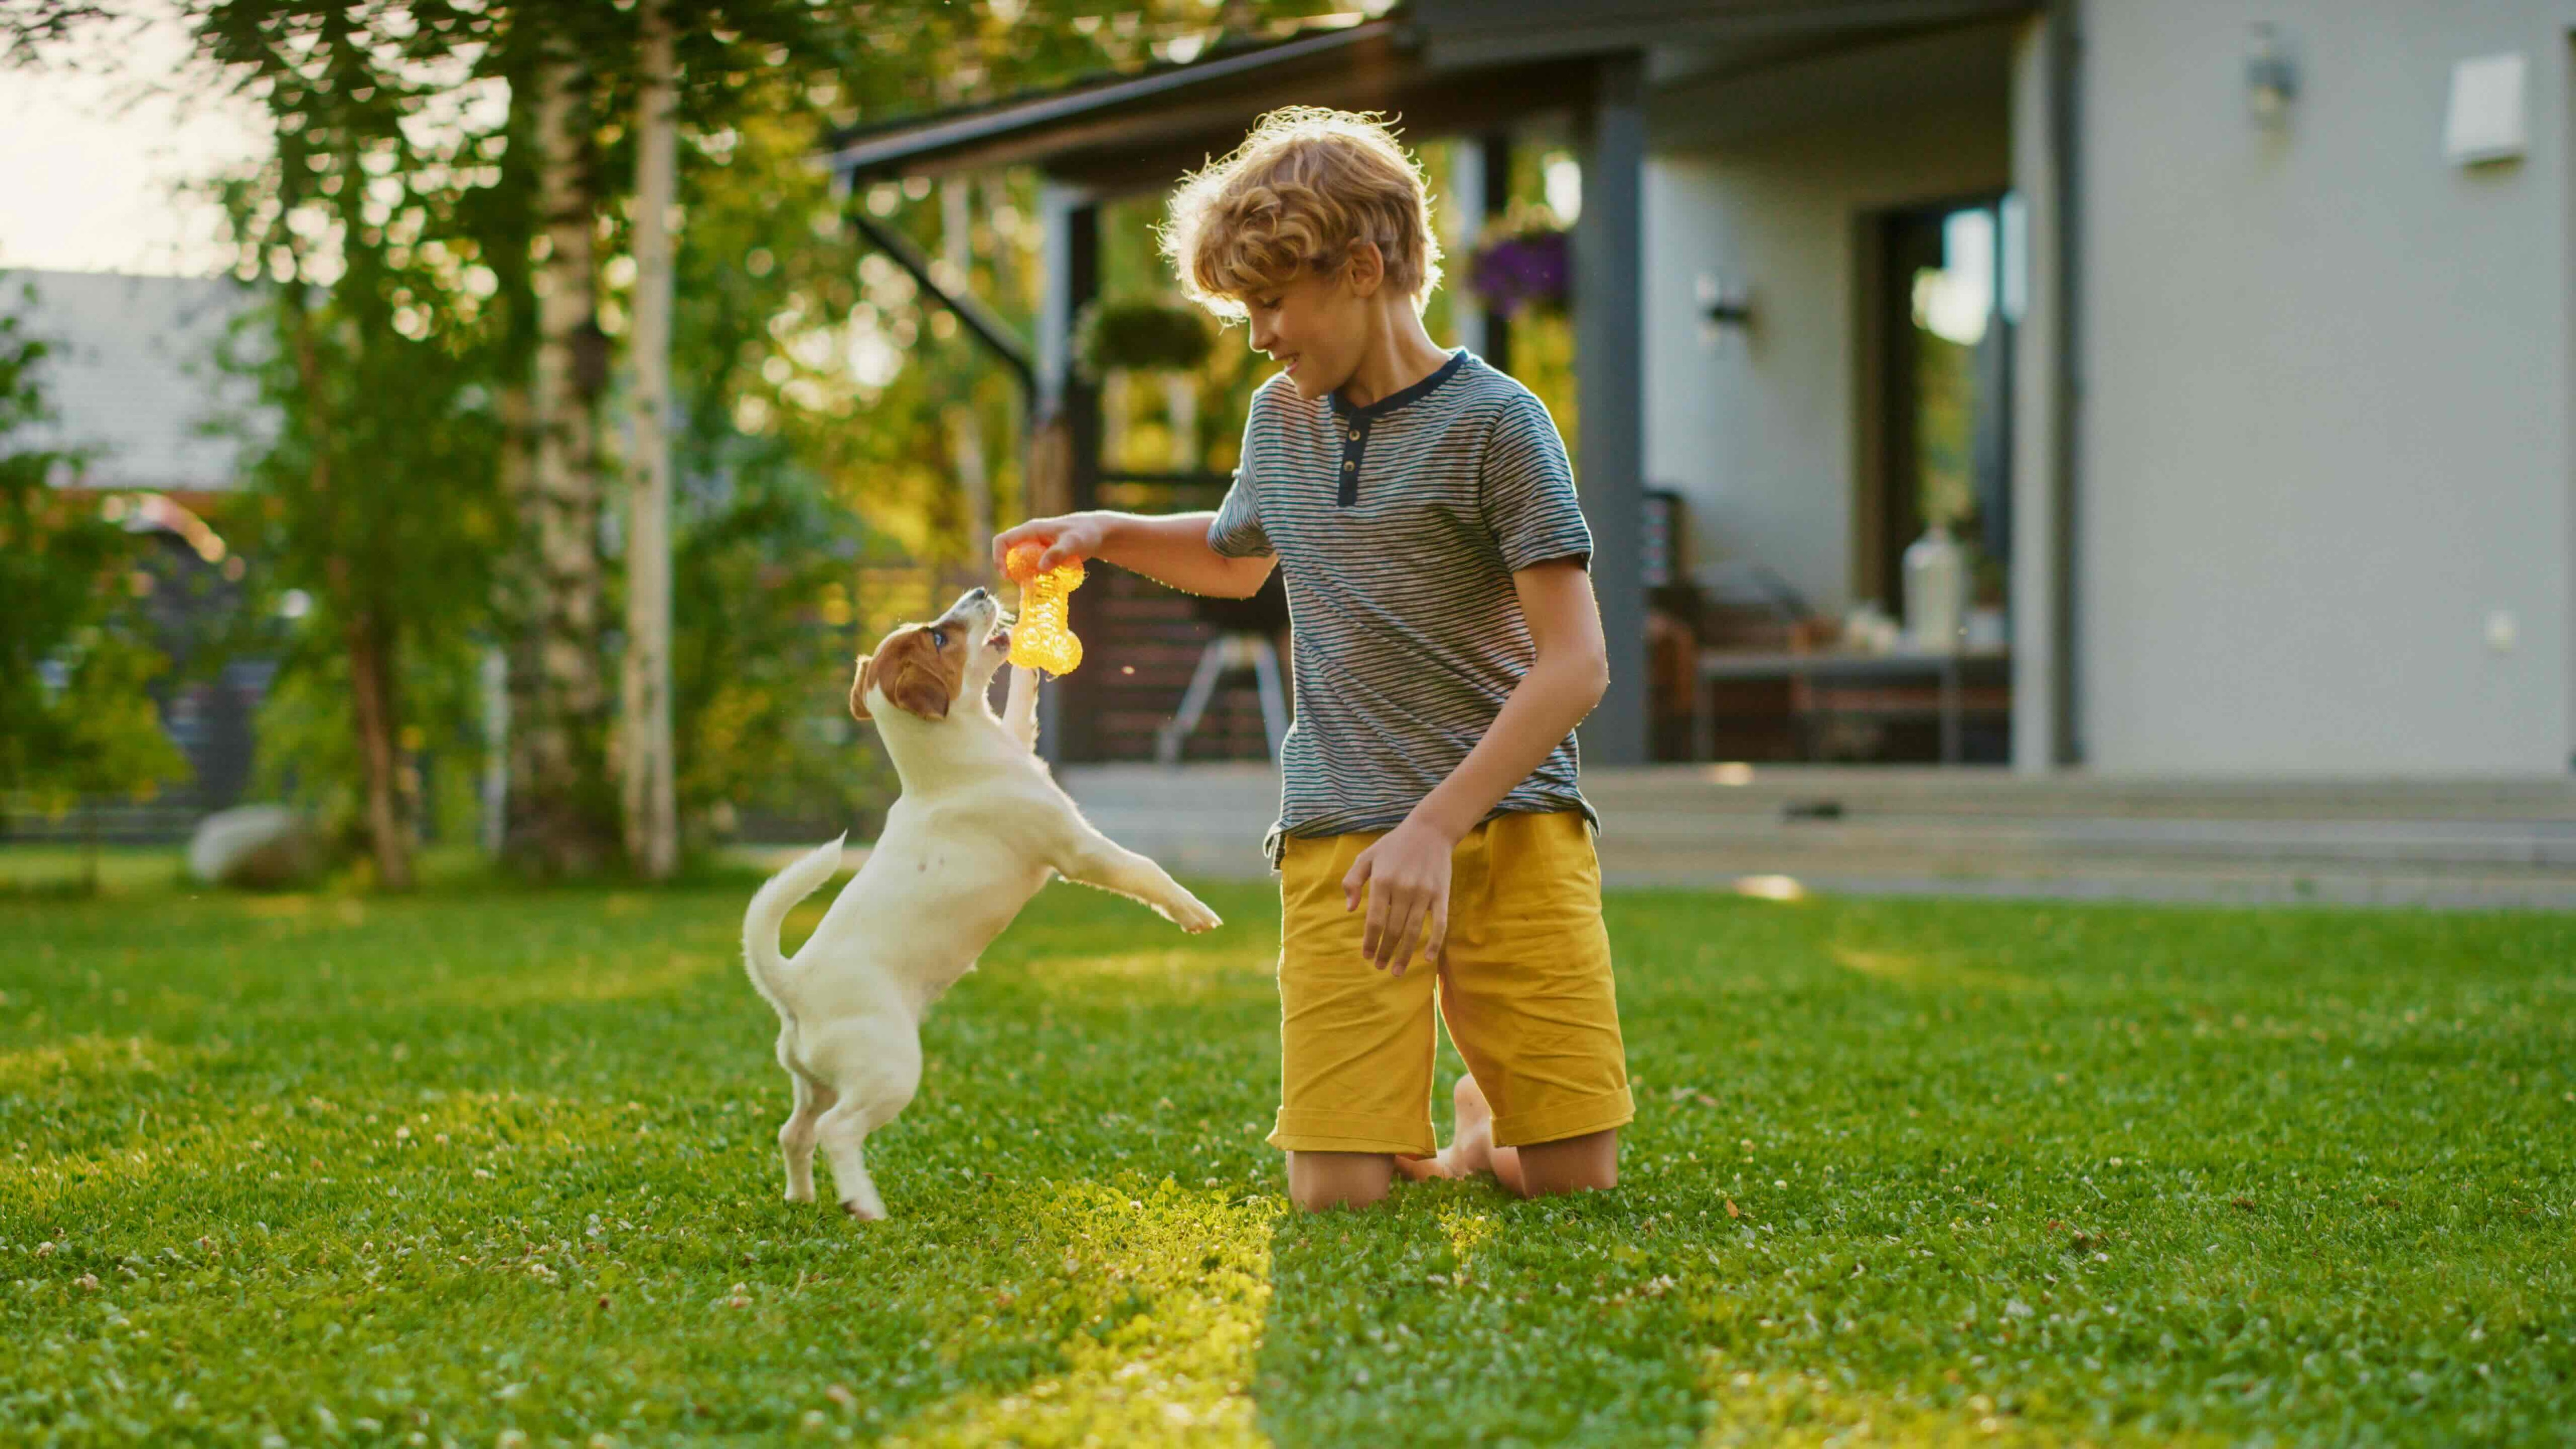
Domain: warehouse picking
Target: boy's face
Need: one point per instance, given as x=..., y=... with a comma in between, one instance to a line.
x=1318, y=326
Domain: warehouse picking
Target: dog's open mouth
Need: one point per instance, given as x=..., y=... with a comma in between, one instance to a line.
x=1000, y=638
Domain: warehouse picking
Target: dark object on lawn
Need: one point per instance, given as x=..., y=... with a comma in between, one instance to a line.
x=1811, y=810
x=1139, y=336
x=255, y=847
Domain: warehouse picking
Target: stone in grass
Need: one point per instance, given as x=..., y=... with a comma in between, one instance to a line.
x=254, y=847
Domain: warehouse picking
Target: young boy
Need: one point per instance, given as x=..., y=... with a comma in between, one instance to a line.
x=1446, y=644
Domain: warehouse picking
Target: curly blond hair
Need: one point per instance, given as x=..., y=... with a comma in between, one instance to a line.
x=1292, y=200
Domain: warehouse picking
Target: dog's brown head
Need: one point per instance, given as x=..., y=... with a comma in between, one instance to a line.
x=923, y=669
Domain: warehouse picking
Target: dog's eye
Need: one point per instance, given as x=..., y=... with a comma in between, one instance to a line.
x=938, y=638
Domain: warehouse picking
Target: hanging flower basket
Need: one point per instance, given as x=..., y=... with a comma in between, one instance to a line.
x=1139, y=336
x=1528, y=267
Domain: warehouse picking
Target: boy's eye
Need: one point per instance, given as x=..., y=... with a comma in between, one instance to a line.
x=1266, y=304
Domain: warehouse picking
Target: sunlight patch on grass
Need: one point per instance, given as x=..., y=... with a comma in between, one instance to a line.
x=585, y=979
x=1181, y=971
x=1796, y=1410
x=1468, y=1229
x=88, y=1056
x=1910, y=968
x=1157, y=1307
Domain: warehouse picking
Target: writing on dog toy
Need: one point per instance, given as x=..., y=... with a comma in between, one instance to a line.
x=1042, y=638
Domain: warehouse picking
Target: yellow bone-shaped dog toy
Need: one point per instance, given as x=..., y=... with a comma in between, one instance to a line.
x=1042, y=639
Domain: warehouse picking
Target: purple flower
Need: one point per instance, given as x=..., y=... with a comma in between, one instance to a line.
x=1512, y=272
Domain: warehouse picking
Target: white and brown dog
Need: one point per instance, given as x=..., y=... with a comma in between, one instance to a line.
x=978, y=829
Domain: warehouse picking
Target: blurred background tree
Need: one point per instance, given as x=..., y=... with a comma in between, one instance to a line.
x=443, y=235
x=77, y=718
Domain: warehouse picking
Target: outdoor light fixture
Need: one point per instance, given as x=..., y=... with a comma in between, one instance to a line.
x=1722, y=304
x=2271, y=82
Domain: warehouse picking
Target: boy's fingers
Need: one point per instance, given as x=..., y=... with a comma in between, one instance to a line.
x=1436, y=936
x=1356, y=880
x=1414, y=925
x=1396, y=947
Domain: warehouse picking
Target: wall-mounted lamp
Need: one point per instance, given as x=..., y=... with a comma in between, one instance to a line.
x=2271, y=81
x=1722, y=304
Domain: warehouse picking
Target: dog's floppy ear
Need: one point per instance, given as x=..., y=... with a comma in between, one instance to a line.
x=859, y=687
x=916, y=677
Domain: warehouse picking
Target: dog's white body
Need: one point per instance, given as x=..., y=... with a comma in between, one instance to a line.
x=979, y=828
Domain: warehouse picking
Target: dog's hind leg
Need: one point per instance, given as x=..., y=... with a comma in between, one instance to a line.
x=887, y=1073
x=796, y=1134
x=844, y=1131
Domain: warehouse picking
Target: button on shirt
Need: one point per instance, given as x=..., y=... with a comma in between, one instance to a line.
x=1398, y=527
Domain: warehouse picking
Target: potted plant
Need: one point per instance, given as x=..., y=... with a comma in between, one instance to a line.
x=1522, y=262
x=1138, y=335
x=1113, y=340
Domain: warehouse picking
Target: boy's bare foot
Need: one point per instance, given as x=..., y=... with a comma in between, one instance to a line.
x=1471, y=1147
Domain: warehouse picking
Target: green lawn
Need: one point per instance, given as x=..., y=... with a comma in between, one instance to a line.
x=492, y=1165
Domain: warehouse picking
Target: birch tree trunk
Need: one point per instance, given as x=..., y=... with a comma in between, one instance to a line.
x=564, y=791
x=652, y=824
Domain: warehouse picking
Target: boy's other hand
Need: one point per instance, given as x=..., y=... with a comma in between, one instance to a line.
x=1406, y=878
x=1068, y=538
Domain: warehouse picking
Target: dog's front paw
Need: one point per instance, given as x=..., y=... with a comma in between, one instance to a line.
x=1193, y=916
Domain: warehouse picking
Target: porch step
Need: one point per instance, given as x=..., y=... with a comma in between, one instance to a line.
x=1970, y=832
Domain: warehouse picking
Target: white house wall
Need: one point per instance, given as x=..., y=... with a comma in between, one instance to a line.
x=1757, y=430
x=2326, y=382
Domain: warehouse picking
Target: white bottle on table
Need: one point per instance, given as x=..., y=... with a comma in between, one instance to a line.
x=1936, y=591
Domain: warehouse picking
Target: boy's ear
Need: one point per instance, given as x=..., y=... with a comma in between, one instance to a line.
x=859, y=687
x=1365, y=267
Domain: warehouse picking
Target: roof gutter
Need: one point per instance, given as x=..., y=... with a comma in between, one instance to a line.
x=899, y=142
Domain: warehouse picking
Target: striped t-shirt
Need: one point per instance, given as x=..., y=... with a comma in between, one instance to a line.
x=1398, y=527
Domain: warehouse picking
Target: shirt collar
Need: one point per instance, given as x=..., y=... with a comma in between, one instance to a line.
x=1402, y=395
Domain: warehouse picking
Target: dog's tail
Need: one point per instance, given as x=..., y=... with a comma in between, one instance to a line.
x=769, y=908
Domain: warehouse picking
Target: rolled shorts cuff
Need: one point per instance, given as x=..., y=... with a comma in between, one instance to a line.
x=1311, y=1131
x=1560, y=1120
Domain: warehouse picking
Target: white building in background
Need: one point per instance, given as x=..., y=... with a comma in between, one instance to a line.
x=2289, y=293
x=134, y=383
x=133, y=376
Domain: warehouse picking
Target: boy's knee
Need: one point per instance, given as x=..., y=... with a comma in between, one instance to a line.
x=1579, y=1164
x=1320, y=1181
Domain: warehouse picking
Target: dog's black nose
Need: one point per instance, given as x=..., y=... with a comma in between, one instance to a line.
x=979, y=592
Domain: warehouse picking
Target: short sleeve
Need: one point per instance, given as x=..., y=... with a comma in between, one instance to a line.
x=1528, y=488
x=1237, y=531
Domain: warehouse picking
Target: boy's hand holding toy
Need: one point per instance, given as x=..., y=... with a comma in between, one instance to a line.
x=1042, y=638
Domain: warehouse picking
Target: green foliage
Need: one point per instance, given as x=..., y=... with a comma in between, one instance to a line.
x=1139, y=334
x=1968, y=1173
x=76, y=658
x=761, y=685
x=394, y=222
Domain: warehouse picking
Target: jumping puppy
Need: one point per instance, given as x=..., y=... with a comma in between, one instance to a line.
x=979, y=828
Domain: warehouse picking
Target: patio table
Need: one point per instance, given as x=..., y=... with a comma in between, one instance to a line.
x=1735, y=664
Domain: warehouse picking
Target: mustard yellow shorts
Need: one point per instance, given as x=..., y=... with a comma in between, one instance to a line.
x=1526, y=993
